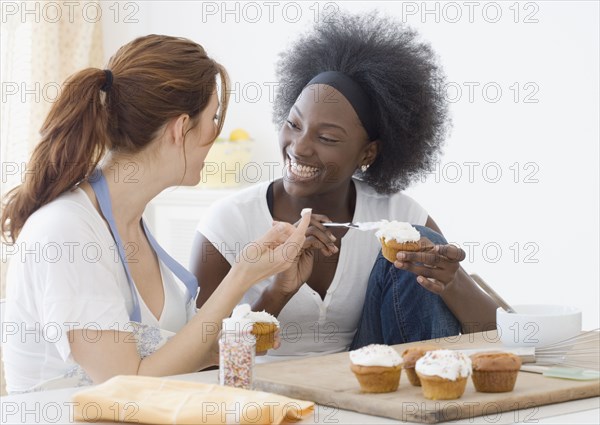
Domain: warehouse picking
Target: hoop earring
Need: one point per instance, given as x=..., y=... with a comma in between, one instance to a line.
x=364, y=167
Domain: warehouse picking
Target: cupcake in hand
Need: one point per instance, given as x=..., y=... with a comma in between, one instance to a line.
x=398, y=236
x=377, y=368
x=443, y=374
x=495, y=372
x=264, y=325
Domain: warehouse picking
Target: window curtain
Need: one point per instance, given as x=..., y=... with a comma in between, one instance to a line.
x=38, y=54
x=37, y=57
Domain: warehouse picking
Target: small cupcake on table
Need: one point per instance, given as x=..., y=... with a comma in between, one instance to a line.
x=443, y=374
x=410, y=357
x=495, y=372
x=377, y=368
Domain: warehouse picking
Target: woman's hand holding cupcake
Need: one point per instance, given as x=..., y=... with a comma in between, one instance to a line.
x=436, y=269
x=436, y=266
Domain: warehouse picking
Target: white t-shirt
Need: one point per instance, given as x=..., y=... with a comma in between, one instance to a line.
x=65, y=273
x=311, y=325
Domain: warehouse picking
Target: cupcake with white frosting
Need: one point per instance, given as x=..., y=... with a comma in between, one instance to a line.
x=377, y=368
x=264, y=325
x=400, y=236
x=410, y=357
x=443, y=374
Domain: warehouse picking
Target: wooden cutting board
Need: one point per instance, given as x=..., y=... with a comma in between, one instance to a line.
x=327, y=380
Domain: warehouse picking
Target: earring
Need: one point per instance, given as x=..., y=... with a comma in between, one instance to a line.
x=364, y=167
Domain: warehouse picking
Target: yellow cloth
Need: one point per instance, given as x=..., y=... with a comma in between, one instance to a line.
x=151, y=400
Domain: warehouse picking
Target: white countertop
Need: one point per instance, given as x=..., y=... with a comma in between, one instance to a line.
x=55, y=407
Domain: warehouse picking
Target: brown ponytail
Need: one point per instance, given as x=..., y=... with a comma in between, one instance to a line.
x=73, y=139
x=155, y=78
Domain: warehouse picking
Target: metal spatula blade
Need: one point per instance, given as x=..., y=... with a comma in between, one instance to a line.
x=369, y=225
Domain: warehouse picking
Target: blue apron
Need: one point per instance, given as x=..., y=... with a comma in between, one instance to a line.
x=100, y=187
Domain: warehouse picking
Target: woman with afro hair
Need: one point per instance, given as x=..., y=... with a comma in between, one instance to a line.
x=359, y=119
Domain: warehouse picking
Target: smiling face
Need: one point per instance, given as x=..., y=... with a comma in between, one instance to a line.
x=323, y=143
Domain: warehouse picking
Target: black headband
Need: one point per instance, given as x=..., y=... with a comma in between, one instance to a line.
x=356, y=95
x=108, y=80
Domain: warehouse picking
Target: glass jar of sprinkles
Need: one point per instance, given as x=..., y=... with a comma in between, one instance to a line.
x=236, y=354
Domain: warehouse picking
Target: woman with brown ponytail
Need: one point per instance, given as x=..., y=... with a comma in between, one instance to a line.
x=90, y=293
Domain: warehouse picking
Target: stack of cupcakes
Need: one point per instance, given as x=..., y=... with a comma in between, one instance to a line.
x=441, y=373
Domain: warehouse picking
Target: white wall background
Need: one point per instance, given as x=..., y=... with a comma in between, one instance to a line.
x=533, y=230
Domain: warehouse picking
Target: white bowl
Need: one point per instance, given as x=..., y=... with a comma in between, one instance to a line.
x=537, y=325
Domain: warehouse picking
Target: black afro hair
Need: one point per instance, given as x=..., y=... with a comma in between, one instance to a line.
x=399, y=72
